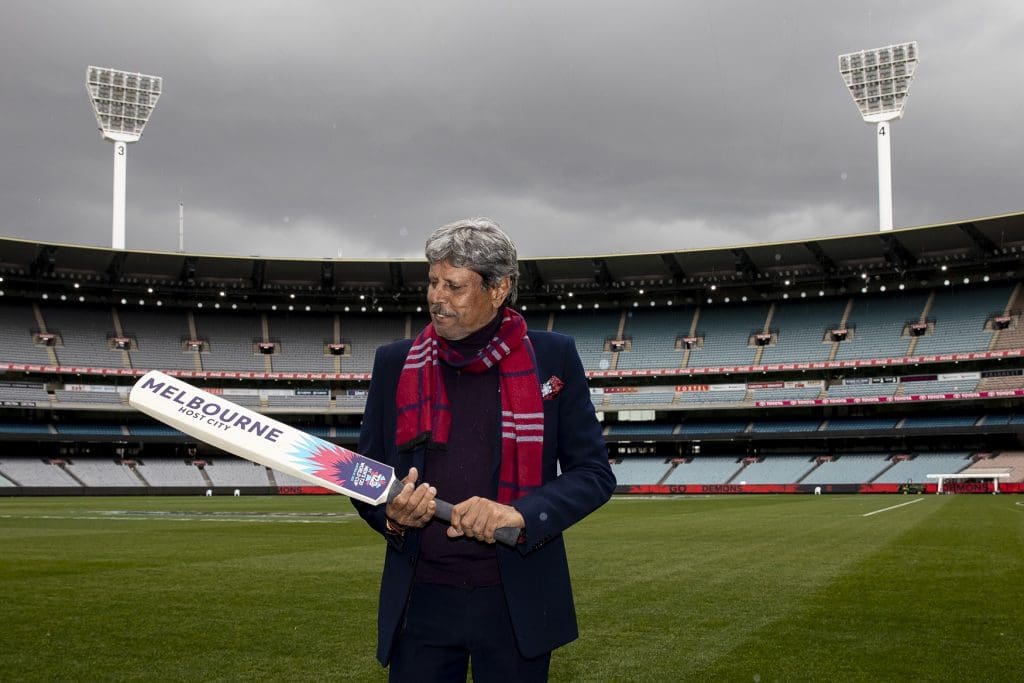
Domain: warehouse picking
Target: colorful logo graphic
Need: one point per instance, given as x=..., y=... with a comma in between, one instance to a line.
x=353, y=472
x=322, y=459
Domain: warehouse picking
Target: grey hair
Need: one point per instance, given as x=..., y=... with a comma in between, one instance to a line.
x=480, y=245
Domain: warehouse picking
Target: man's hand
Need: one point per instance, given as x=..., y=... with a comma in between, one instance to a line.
x=479, y=517
x=414, y=506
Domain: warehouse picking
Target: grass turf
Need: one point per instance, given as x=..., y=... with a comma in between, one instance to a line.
x=731, y=588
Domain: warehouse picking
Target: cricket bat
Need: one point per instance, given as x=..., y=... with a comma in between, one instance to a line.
x=264, y=440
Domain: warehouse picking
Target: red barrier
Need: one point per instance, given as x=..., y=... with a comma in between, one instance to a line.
x=707, y=488
x=965, y=487
x=622, y=374
x=303, y=491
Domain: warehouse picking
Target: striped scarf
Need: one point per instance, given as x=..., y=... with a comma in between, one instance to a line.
x=424, y=415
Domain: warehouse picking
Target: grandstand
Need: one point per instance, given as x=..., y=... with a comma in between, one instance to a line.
x=847, y=362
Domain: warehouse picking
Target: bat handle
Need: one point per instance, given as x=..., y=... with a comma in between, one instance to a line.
x=507, y=535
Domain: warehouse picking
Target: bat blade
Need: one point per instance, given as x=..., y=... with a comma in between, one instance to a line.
x=243, y=432
x=256, y=437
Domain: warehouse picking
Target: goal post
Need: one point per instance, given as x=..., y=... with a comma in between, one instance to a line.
x=984, y=476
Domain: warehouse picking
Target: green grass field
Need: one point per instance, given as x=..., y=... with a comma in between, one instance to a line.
x=730, y=588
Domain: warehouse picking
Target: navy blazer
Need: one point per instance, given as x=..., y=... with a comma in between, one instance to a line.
x=576, y=480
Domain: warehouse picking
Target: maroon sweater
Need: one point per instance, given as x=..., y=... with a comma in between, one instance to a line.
x=467, y=467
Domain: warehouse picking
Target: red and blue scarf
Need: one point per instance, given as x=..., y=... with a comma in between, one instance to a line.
x=424, y=414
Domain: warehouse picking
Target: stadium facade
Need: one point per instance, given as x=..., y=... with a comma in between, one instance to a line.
x=853, y=363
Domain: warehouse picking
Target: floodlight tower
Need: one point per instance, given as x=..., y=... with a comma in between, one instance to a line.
x=879, y=81
x=122, y=102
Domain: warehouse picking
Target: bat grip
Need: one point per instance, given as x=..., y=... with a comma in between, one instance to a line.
x=506, y=535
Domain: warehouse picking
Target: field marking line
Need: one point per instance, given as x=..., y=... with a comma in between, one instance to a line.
x=892, y=507
x=171, y=517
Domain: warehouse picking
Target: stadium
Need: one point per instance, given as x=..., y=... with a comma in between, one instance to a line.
x=841, y=366
x=781, y=418
x=852, y=364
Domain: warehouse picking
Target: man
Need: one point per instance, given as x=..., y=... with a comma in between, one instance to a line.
x=499, y=423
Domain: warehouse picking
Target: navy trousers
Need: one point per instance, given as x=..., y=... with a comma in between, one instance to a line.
x=448, y=629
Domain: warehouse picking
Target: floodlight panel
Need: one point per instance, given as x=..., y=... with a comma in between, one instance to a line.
x=122, y=101
x=879, y=80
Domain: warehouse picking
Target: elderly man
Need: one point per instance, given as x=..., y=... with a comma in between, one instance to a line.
x=500, y=423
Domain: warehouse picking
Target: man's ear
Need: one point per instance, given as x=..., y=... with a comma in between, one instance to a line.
x=500, y=292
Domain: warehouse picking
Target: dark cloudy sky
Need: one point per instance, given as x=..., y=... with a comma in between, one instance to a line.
x=352, y=128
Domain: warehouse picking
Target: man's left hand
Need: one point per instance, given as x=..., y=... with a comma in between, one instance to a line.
x=479, y=517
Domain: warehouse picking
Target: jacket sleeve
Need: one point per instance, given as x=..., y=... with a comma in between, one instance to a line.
x=583, y=480
x=374, y=437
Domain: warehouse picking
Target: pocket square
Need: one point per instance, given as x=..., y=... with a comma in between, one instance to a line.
x=552, y=388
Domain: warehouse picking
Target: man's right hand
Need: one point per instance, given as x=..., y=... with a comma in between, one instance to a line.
x=414, y=506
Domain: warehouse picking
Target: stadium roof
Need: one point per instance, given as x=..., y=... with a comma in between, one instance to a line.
x=913, y=257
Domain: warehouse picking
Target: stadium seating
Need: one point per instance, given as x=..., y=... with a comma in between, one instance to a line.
x=84, y=333
x=785, y=393
x=960, y=314
x=727, y=330
x=860, y=423
x=780, y=469
x=230, y=341
x=363, y=333
x=235, y=472
x=639, y=399
x=938, y=387
x=169, y=472
x=636, y=471
x=159, y=338
x=938, y=421
x=877, y=325
x=777, y=469
x=340, y=433
x=851, y=468
x=652, y=335
x=17, y=324
x=537, y=320
x=282, y=479
x=705, y=470
x=709, y=398
x=152, y=430
x=1011, y=462
x=878, y=328
x=36, y=472
x=915, y=469
x=300, y=402
x=90, y=398
x=591, y=330
x=696, y=427
x=25, y=428
x=301, y=338
x=103, y=473
x=784, y=426
x=1000, y=383
x=861, y=390
x=958, y=320
x=640, y=429
x=89, y=429
x=351, y=399
x=24, y=394
x=801, y=327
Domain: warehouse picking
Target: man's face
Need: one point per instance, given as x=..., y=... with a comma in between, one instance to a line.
x=459, y=305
